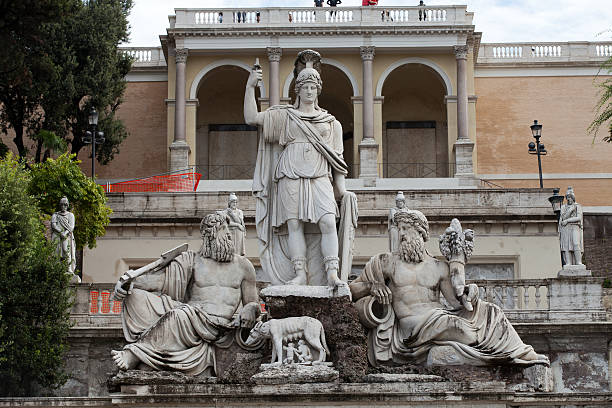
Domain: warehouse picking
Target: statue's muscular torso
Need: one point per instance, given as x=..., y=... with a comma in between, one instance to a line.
x=416, y=287
x=215, y=287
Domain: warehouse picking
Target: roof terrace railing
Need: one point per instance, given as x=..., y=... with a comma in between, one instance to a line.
x=544, y=52
x=145, y=56
x=292, y=16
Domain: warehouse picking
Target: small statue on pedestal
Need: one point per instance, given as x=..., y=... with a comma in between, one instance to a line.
x=236, y=224
x=62, y=232
x=570, y=229
x=400, y=205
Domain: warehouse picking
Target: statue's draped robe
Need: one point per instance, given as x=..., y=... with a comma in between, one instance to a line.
x=570, y=235
x=497, y=342
x=66, y=248
x=165, y=331
x=293, y=180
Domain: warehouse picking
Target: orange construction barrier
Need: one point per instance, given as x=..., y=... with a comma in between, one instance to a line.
x=160, y=183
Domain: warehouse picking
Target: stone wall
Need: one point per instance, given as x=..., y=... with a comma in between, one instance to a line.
x=598, y=244
x=564, y=106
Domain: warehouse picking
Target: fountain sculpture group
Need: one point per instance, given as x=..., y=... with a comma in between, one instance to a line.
x=178, y=309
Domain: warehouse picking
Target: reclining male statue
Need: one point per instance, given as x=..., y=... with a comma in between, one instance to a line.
x=411, y=281
x=172, y=318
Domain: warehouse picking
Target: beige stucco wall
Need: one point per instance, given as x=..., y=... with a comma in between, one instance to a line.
x=534, y=254
x=565, y=107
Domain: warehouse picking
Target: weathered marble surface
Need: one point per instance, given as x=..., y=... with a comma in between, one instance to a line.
x=571, y=226
x=288, y=331
x=299, y=154
x=412, y=282
x=343, y=333
x=295, y=374
x=235, y=222
x=174, y=314
x=62, y=233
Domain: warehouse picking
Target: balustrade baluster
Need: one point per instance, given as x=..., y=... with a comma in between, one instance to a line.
x=526, y=296
x=537, y=296
x=515, y=296
x=504, y=296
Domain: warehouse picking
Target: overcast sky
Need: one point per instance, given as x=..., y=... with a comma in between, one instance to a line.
x=498, y=20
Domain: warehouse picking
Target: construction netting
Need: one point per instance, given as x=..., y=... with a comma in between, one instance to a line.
x=159, y=183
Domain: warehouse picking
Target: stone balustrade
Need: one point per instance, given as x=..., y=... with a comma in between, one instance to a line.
x=145, y=56
x=231, y=17
x=544, y=52
x=523, y=300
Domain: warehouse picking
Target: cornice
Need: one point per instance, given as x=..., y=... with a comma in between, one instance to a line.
x=315, y=31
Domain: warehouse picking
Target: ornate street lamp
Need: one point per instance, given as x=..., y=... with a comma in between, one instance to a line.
x=92, y=137
x=537, y=147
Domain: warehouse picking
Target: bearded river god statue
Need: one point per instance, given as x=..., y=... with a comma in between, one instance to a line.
x=412, y=322
x=177, y=308
x=299, y=165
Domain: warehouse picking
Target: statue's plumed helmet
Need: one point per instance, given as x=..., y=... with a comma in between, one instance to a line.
x=64, y=200
x=570, y=192
x=307, y=69
x=415, y=219
x=232, y=197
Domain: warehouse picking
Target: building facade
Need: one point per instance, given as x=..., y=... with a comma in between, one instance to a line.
x=425, y=107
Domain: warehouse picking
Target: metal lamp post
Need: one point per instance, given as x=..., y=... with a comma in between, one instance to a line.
x=537, y=147
x=92, y=137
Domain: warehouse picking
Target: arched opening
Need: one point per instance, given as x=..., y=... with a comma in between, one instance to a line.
x=415, y=128
x=336, y=99
x=220, y=127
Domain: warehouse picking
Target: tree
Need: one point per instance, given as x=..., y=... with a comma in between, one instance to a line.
x=34, y=297
x=73, y=64
x=25, y=67
x=96, y=76
x=55, y=178
x=604, y=105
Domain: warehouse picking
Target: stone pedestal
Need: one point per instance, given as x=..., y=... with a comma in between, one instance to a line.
x=271, y=374
x=569, y=271
x=368, y=166
x=179, y=155
x=464, y=164
x=345, y=336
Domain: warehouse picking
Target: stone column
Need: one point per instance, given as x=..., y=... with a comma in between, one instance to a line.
x=274, y=56
x=464, y=147
x=179, y=149
x=368, y=148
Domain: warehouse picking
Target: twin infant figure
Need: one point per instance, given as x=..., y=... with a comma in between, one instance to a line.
x=302, y=353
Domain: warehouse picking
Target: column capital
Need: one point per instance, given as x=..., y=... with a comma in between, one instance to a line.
x=461, y=51
x=274, y=53
x=180, y=55
x=367, y=52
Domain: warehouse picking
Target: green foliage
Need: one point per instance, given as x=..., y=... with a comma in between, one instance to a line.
x=34, y=296
x=607, y=283
x=26, y=68
x=69, y=64
x=55, y=178
x=604, y=105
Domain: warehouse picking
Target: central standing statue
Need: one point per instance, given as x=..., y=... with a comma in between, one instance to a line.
x=299, y=163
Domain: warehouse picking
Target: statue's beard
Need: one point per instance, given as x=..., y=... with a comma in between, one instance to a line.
x=412, y=247
x=219, y=248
